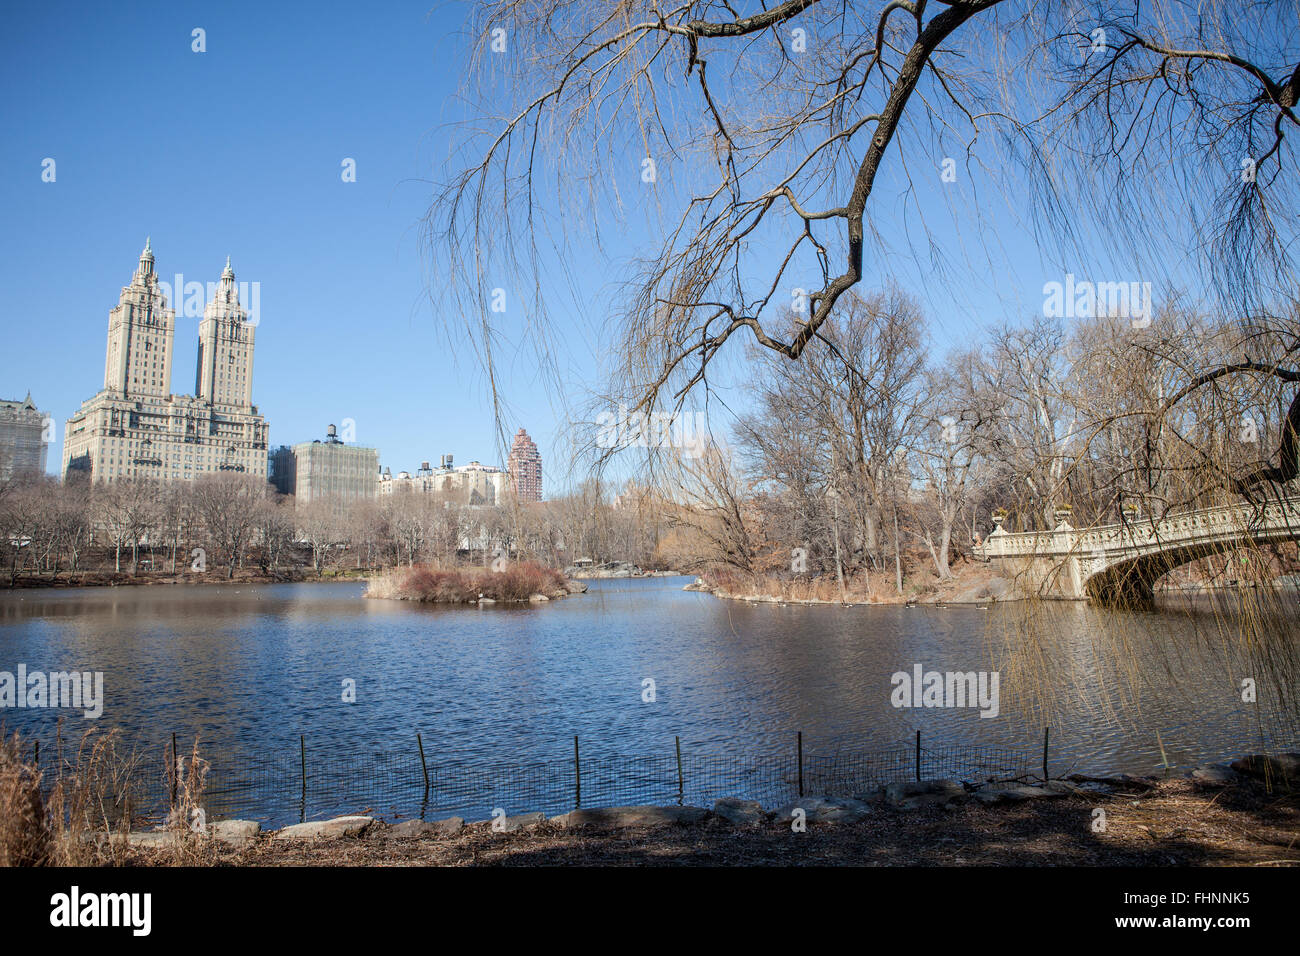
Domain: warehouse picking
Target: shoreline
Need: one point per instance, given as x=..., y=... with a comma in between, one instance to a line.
x=113, y=579
x=1003, y=595
x=1216, y=815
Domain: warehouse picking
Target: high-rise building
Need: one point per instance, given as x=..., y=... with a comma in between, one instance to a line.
x=135, y=426
x=525, y=467
x=331, y=471
x=225, y=368
x=281, y=470
x=22, y=439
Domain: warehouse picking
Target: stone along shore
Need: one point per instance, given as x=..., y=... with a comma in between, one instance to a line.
x=1246, y=812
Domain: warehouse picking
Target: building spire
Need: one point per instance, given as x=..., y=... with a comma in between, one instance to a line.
x=227, y=291
x=146, y=258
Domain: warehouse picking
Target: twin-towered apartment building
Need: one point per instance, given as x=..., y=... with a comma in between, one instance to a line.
x=136, y=427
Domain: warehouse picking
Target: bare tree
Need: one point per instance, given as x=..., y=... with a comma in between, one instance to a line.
x=950, y=451
x=274, y=527
x=319, y=525
x=717, y=512
x=762, y=141
x=226, y=504
x=117, y=512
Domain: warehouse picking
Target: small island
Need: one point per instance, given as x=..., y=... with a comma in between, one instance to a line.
x=520, y=582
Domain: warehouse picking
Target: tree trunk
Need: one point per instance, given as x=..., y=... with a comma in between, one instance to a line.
x=898, y=555
x=839, y=563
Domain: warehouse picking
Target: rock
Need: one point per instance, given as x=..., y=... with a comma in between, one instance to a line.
x=913, y=795
x=415, y=829
x=327, y=829
x=576, y=587
x=742, y=813
x=1123, y=781
x=408, y=830
x=522, y=821
x=641, y=816
x=235, y=833
x=1016, y=794
x=1079, y=789
x=155, y=839
x=1278, y=769
x=487, y=601
x=1212, y=776
x=537, y=599
x=825, y=810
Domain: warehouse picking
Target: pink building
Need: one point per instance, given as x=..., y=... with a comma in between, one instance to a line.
x=525, y=467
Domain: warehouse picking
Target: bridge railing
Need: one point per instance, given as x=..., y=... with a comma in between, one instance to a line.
x=1222, y=522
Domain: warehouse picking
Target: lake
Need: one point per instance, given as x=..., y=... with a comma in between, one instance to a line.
x=497, y=694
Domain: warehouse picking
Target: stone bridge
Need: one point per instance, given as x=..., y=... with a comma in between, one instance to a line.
x=1120, y=563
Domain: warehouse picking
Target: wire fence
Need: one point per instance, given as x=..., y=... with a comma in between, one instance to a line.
x=408, y=781
x=316, y=783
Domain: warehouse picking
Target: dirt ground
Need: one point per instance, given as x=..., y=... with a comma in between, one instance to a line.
x=1172, y=825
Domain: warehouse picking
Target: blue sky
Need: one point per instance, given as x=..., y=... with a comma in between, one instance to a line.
x=237, y=151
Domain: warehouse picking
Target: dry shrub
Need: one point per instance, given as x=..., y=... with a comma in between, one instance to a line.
x=25, y=838
x=518, y=582
x=188, y=816
x=89, y=806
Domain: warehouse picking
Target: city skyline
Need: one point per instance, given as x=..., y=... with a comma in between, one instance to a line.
x=105, y=437
x=154, y=379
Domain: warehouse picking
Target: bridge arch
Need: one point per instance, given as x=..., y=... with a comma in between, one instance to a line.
x=1120, y=564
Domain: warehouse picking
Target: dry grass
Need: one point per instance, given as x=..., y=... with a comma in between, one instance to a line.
x=80, y=811
x=24, y=834
x=860, y=588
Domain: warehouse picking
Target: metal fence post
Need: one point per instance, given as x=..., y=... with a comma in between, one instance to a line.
x=1046, y=731
x=577, y=776
x=302, y=749
x=173, y=773
x=678, y=742
x=918, y=755
x=423, y=766
x=800, y=739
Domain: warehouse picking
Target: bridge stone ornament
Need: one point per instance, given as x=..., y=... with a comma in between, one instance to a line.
x=1120, y=563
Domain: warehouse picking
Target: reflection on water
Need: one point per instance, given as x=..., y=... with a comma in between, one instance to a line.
x=248, y=669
